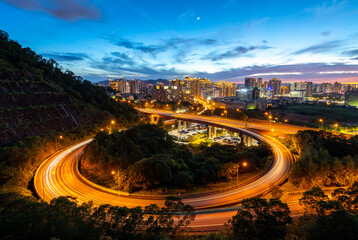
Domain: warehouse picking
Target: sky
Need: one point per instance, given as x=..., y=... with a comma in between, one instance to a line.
x=295, y=40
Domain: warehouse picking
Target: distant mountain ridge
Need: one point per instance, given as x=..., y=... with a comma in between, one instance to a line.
x=150, y=81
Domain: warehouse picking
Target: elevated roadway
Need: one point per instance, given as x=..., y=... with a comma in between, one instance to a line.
x=59, y=175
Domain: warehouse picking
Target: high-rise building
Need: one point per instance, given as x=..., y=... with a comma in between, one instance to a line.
x=309, y=89
x=120, y=85
x=196, y=85
x=325, y=88
x=301, y=89
x=227, y=89
x=275, y=86
x=159, y=93
x=337, y=87
x=284, y=90
x=255, y=93
x=250, y=82
x=259, y=83
x=135, y=86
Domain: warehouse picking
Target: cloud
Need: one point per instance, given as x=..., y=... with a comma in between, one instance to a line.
x=351, y=53
x=327, y=7
x=339, y=72
x=123, y=65
x=319, y=48
x=294, y=72
x=325, y=33
x=229, y=4
x=274, y=74
x=187, y=16
x=119, y=58
x=163, y=46
x=236, y=52
x=69, y=10
x=66, y=57
x=257, y=22
x=170, y=43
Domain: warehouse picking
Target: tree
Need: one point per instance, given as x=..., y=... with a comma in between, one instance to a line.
x=326, y=218
x=261, y=219
x=339, y=225
x=313, y=200
x=184, y=214
x=160, y=123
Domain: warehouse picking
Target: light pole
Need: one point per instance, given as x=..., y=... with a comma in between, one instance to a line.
x=56, y=141
x=335, y=127
x=43, y=184
x=237, y=175
x=270, y=117
x=110, y=126
x=113, y=172
x=321, y=121
x=225, y=113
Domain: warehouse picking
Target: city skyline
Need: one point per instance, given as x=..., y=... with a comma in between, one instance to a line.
x=230, y=40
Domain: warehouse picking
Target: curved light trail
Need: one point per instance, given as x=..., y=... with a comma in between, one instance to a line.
x=59, y=176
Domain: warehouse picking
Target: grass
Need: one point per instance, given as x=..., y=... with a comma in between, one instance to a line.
x=311, y=113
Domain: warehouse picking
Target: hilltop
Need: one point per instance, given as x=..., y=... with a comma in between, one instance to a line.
x=37, y=96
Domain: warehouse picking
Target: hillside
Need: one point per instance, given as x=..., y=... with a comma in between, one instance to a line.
x=37, y=96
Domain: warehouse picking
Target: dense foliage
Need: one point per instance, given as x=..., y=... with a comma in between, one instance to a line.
x=17, y=63
x=323, y=159
x=323, y=217
x=261, y=219
x=329, y=218
x=63, y=218
x=310, y=113
x=19, y=160
x=147, y=157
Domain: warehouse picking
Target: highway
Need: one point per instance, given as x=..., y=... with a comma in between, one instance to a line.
x=260, y=125
x=59, y=176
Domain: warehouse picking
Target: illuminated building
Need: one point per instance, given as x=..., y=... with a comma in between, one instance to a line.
x=275, y=85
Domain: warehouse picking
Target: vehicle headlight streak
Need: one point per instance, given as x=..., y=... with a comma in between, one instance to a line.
x=67, y=181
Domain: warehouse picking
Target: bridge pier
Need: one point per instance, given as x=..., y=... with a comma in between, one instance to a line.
x=154, y=119
x=179, y=125
x=209, y=131
x=184, y=125
x=214, y=132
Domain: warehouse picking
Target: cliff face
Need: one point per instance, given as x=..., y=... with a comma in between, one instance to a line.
x=37, y=96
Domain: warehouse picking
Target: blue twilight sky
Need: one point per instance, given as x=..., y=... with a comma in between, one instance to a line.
x=218, y=39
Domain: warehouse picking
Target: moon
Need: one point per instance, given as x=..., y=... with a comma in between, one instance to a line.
x=198, y=18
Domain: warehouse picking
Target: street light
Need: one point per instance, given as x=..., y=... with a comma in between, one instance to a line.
x=56, y=141
x=270, y=117
x=244, y=164
x=335, y=126
x=113, y=172
x=43, y=184
x=110, y=126
x=225, y=113
x=321, y=121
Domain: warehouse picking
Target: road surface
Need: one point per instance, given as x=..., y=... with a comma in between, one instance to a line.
x=59, y=176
